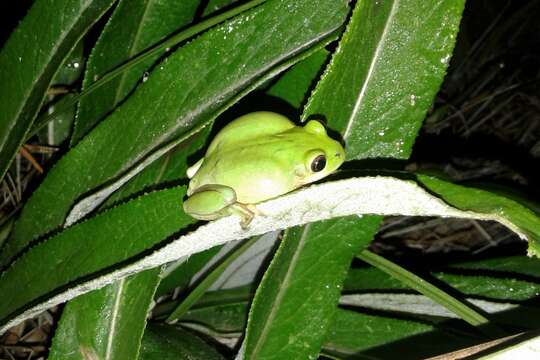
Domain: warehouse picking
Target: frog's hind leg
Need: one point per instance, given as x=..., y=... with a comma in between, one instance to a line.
x=210, y=202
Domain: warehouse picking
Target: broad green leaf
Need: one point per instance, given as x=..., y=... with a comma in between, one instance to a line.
x=293, y=86
x=370, y=195
x=86, y=249
x=390, y=64
x=156, y=50
x=302, y=294
x=134, y=26
x=164, y=342
x=30, y=59
x=190, y=87
x=169, y=168
x=490, y=203
x=223, y=313
x=357, y=335
x=216, y=5
x=358, y=97
x=511, y=265
x=106, y=323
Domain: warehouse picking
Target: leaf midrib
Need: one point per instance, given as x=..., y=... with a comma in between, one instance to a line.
x=113, y=320
x=281, y=293
x=372, y=65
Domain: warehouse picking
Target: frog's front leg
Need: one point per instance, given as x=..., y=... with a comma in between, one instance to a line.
x=213, y=201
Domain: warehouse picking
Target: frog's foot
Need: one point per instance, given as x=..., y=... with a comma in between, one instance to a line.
x=254, y=209
x=246, y=212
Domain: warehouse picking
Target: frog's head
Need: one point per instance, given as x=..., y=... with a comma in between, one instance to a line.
x=323, y=156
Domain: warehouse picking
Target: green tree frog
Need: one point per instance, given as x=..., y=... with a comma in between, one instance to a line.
x=257, y=157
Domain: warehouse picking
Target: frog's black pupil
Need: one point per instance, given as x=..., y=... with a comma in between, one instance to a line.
x=318, y=163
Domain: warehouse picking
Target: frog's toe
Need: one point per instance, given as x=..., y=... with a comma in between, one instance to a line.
x=254, y=209
x=246, y=220
x=246, y=213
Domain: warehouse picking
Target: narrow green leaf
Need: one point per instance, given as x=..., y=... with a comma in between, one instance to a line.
x=134, y=26
x=224, y=311
x=58, y=130
x=163, y=342
x=209, y=279
x=106, y=323
x=191, y=86
x=464, y=311
x=181, y=273
x=505, y=295
x=484, y=283
x=30, y=59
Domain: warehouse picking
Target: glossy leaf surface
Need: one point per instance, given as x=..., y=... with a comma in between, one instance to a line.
x=30, y=59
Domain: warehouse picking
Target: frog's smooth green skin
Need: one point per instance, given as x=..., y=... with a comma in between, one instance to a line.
x=257, y=157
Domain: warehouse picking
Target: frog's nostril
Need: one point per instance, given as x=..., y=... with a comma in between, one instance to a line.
x=338, y=155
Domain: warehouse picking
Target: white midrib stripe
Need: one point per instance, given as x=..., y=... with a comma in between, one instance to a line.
x=114, y=318
x=372, y=66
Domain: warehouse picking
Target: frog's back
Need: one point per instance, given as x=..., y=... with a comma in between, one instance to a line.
x=249, y=126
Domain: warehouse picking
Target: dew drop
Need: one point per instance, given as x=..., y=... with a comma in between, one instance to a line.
x=444, y=60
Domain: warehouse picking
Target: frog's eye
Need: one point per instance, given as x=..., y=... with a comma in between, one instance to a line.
x=318, y=164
